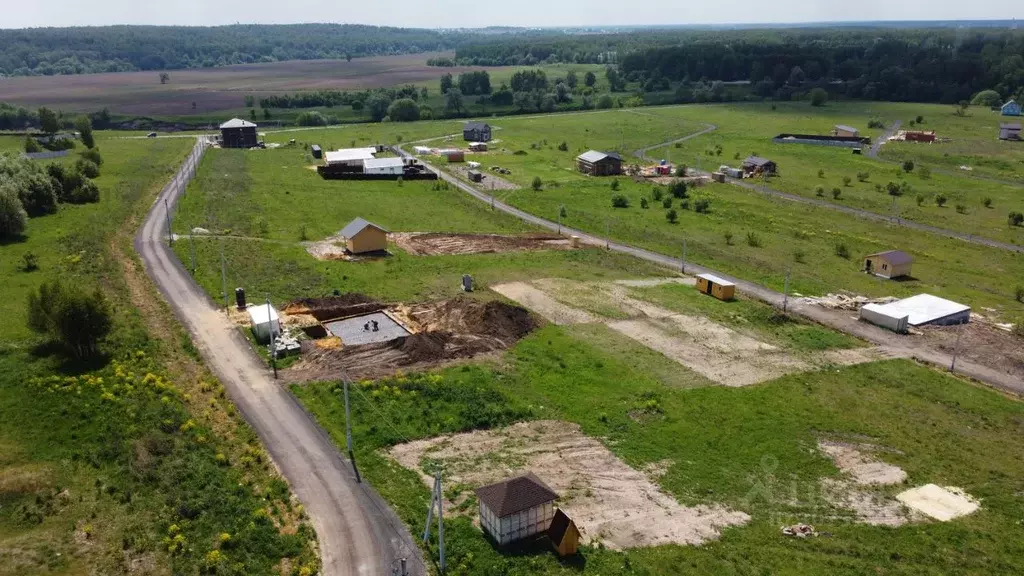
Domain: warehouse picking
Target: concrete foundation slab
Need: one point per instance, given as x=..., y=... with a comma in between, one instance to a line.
x=943, y=504
x=352, y=331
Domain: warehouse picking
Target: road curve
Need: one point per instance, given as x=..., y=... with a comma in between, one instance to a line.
x=358, y=534
x=898, y=346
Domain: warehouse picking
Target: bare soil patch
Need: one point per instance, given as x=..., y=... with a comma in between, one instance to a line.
x=441, y=333
x=543, y=304
x=491, y=181
x=441, y=243
x=609, y=501
x=334, y=248
x=864, y=471
x=863, y=468
x=980, y=342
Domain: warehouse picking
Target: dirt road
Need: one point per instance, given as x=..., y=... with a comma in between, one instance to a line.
x=840, y=320
x=881, y=140
x=358, y=534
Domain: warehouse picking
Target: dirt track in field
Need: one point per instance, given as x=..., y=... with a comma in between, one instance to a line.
x=442, y=243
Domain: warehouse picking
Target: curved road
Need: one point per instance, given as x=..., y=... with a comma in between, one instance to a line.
x=358, y=534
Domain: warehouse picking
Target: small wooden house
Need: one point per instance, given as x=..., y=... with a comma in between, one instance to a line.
x=564, y=534
x=715, y=286
x=1011, y=108
x=756, y=166
x=889, y=264
x=362, y=237
x=597, y=163
x=517, y=508
x=238, y=133
x=845, y=131
x=476, y=132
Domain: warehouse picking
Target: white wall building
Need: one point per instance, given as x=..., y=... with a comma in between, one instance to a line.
x=517, y=508
x=384, y=166
x=265, y=321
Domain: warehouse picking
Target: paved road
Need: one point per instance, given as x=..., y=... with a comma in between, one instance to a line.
x=845, y=321
x=881, y=140
x=359, y=535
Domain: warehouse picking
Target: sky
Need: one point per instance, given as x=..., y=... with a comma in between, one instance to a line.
x=479, y=13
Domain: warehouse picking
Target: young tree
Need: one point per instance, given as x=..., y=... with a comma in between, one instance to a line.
x=165, y=77
x=453, y=101
x=818, y=97
x=908, y=166
x=252, y=113
x=446, y=83
x=589, y=79
x=84, y=127
x=250, y=101
x=69, y=315
x=537, y=183
x=48, y=121
x=13, y=218
x=672, y=216
x=404, y=110
x=266, y=113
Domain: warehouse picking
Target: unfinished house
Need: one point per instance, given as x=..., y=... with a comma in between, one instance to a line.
x=476, y=132
x=597, y=163
x=517, y=508
x=757, y=166
x=238, y=133
x=845, y=131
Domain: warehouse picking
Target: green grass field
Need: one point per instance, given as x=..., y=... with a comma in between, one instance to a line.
x=136, y=461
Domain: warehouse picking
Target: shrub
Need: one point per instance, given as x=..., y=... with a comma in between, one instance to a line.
x=940, y=200
x=879, y=188
x=821, y=173
x=836, y=193
x=894, y=189
x=681, y=171
x=87, y=168
x=684, y=204
x=643, y=203
x=672, y=216
x=818, y=97
x=799, y=256
x=678, y=189
x=919, y=119
x=667, y=203
x=615, y=184
x=563, y=212
x=702, y=205
x=819, y=191
x=1015, y=218
x=863, y=176
x=728, y=238
x=847, y=180
x=312, y=118
x=29, y=262
x=92, y=155
x=537, y=183
x=842, y=251
x=961, y=209
x=1018, y=294
x=404, y=110
x=620, y=201
x=753, y=240
x=656, y=194
x=605, y=102
x=13, y=218
x=876, y=123
x=987, y=202
x=31, y=146
x=924, y=172
x=920, y=199
x=564, y=146
x=76, y=319
x=908, y=166
x=87, y=192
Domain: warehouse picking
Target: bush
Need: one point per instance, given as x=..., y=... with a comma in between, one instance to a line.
x=31, y=146
x=672, y=216
x=728, y=238
x=92, y=155
x=312, y=118
x=702, y=205
x=1015, y=218
x=29, y=262
x=879, y=188
x=961, y=209
x=537, y=183
x=753, y=240
x=818, y=97
x=894, y=189
x=836, y=193
x=681, y=171
x=564, y=147
x=987, y=202
x=76, y=319
x=615, y=185
x=799, y=256
x=819, y=191
x=678, y=189
x=919, y=119
x=605, y=102
x=940, y=200
x=643, y=203
x=404, y=110
x=863, y=176
x=1018, y=294
x=656, y=194
x=920, y=199
x=620, y=201
x=87, y=192
x=87, y=168
x=667, y=203
x=908, y=166
x=842, y=251
x=684, y=204
x=37, y=192
x=821, y=173
x=13, y=218
x=847, y=180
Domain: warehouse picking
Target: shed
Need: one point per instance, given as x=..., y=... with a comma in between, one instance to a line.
x=265, y=322
x=597, y=163
x=455, y=155
x=384, y=166
x=475, y=176
x=844, y=130
x=564, y=534
x=478, y=146
x=1009, y=131
x=421, y=150
x=1011, y=108
x=755, y=165
x=476, y=132
x=888, y=264
x=517, y=508
x=362, y=237
x=317, y=152
x=715, y=286
x=238, y=133
x=925, y=309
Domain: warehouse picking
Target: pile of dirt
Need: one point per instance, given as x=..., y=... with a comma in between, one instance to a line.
x=425, y=346
x=463, y=315
x=331, y=307
x=845, y=301
x=439, y=243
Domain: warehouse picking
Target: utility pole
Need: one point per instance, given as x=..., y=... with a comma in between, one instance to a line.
x=437, y=497
x=785, y=291
x=956, y=348
x=167, y=212
x=273, y=349
x=192, y=245
x=560, y=208
x=607, y=233
x=682, y=263
x=224, y=276
x=348, y=432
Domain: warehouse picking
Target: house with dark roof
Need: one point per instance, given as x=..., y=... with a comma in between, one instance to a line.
x=889, y=264
x=238, y=133
x=476, y=132
x=597, y=163
x=516, y=508
x=564, y=534
x=1009, y=131
x=362, y=237
x=755, y=166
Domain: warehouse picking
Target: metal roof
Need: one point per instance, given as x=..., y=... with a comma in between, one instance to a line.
x=895, y=257
x=1009, y=102
x=356, y=226
x=349, y=155
x=475, y=126
x=237, y=123
x=515, y=495
x=383, y=163
x=921, y=309
x=757, y=161
x=715, y=279
x=846, y=128
x=1010, y=125
x=593, y=156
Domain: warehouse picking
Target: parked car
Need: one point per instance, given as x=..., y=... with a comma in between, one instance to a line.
x=151, y=135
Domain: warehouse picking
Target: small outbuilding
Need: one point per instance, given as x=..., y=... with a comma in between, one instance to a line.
x=564, y=534
x=478, y=146
x=715, y=286
x=238, y=133
x=1009, y=131
x=265, y=322
x=756, y=166
x=920, y=310
x=391, y=166
x=318, y=153
x=597, y=163
x=363, y=237
x=476, y=132
x=845, y=131
x=455, y=156
x=475, y=176
x=889, y=264
x=1011, y=108
x=517, y=508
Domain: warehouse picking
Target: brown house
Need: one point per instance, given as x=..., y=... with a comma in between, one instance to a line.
x=516, y=508
x=362, y=237
x=597, y=163
x=919, y=136
x=756, y=166
x=890, y=264
x=564, y=534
